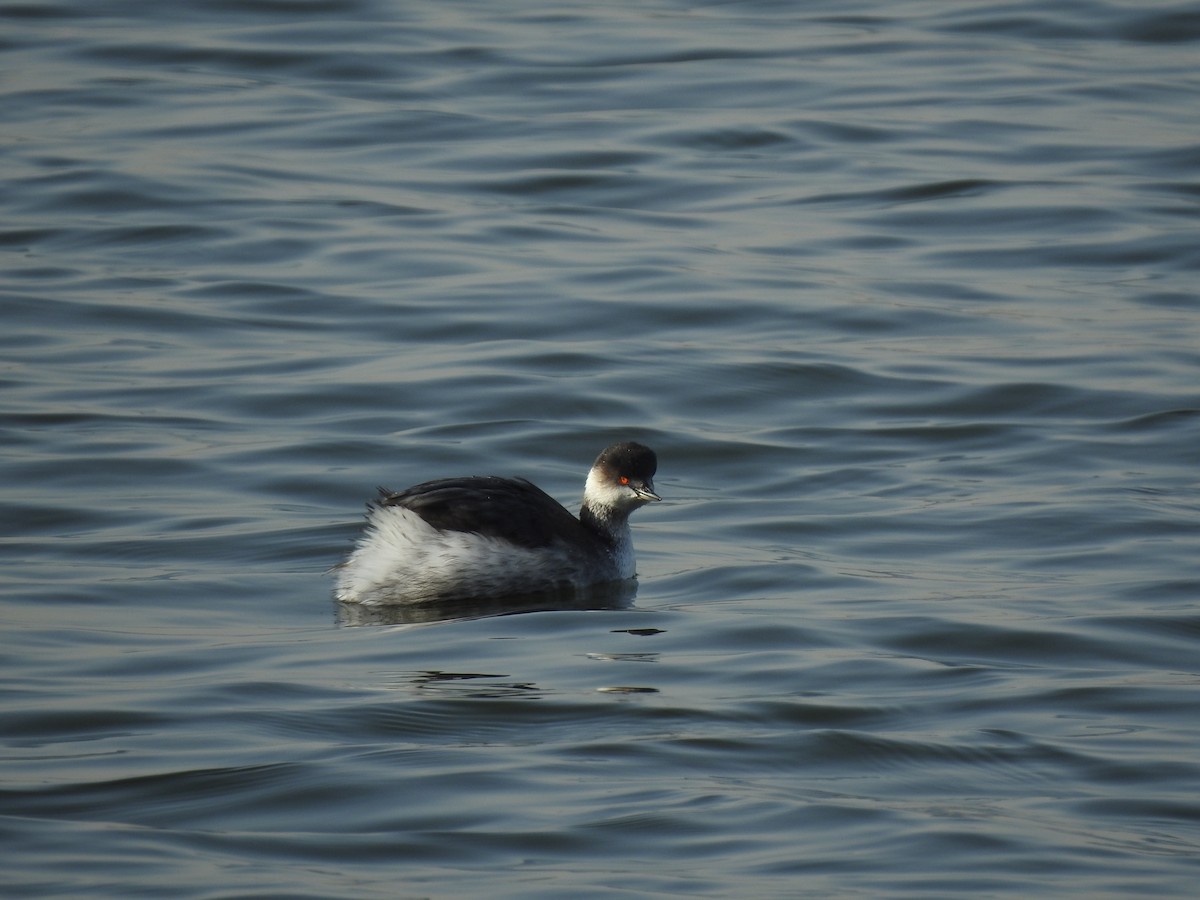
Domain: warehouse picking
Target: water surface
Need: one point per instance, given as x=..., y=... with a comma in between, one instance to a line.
x=904, y=296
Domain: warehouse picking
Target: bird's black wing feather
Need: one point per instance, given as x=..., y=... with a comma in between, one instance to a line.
x=511, y=509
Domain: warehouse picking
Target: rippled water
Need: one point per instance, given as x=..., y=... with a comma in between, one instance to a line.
x=904, y=295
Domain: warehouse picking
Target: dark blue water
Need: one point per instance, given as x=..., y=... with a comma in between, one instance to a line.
x=904, y=295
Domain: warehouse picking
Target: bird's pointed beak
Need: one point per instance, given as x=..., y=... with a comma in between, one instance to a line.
x=645, y=490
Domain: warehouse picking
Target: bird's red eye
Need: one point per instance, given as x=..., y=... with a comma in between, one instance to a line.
x=624, y=480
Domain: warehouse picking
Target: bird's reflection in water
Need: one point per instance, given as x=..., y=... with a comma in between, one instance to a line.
x=619, y=595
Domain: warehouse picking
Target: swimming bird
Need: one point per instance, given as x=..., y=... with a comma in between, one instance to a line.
x=487, y=536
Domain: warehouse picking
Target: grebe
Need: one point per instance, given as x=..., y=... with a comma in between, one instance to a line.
x=483, y=536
